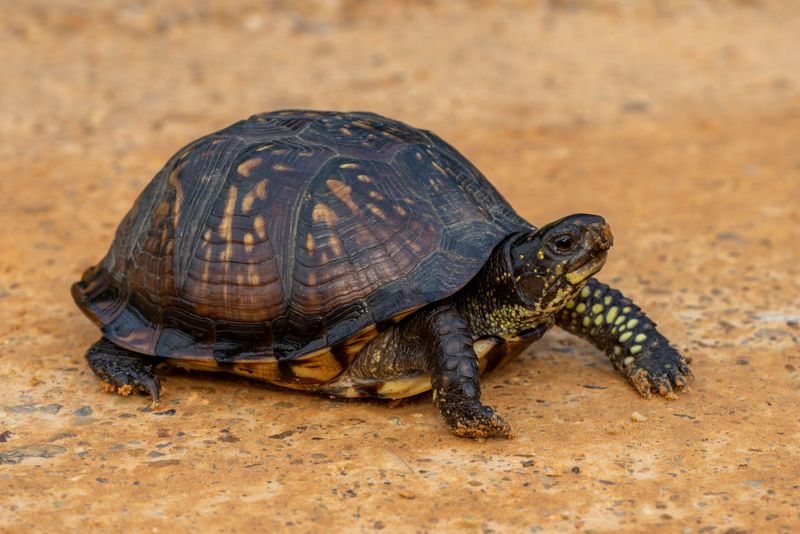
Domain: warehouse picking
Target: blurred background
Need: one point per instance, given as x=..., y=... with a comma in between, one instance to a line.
x=516, y=85
x=678, y=120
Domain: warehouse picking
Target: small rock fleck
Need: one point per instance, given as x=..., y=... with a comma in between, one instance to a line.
x=83, y=412
x=50, y=408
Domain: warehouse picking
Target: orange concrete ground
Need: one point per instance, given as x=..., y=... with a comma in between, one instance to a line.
x=678, y=121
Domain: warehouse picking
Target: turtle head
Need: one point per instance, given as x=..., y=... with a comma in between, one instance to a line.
x=551, y=264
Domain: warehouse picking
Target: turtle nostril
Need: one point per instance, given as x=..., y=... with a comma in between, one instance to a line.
x=606, y=235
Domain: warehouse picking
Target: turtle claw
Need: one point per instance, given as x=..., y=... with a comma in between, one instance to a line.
x=663, y=371
x=477, y=421
x=681, y=383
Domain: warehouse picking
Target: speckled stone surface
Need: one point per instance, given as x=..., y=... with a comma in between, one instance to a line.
x=678, y=121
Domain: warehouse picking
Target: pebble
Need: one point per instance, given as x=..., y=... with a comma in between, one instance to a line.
x=637, y=417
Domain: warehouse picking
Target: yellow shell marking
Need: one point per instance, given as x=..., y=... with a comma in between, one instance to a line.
x=325, y=214
x=226, y=226
x=348, y=166
x=176, y=185
x=625, y=337
x=248, y=242
x=584, y=292
x=612, y=314
x=400, y=211
x=639, y=338
x=252, y=275
x=364, y=178
x=258, y=192
x=281, y=167
x=376, y=210
x=597, y=308
x=342, y=192
x=259, y=226
x=336, y=245
x=207, y=266
x=161, y=211
x=246, y=167
x=309, y=242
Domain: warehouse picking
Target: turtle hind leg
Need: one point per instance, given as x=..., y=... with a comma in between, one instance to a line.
x=122, y=370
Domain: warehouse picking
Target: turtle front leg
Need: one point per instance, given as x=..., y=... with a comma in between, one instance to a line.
x=433, y=342
x=617, y=326
x=455, y=377
x=122, y=370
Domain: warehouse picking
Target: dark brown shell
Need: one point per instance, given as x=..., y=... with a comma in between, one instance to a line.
x=289, y=232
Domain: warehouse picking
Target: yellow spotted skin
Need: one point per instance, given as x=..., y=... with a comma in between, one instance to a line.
x=617, y=326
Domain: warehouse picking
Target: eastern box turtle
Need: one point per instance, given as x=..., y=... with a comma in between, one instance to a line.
x=354, y=256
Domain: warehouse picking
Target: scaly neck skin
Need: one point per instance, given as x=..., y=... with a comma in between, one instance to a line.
x=490, y=302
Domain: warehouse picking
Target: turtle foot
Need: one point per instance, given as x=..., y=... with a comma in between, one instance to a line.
x=477, y=421
x=124, y=371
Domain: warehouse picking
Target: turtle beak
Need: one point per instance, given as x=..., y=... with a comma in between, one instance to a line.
x=588, y=269
x=599, y=240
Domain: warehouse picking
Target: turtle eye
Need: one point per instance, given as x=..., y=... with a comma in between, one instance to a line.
x=564, y=243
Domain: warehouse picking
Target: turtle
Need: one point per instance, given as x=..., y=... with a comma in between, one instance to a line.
x=351, y=255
